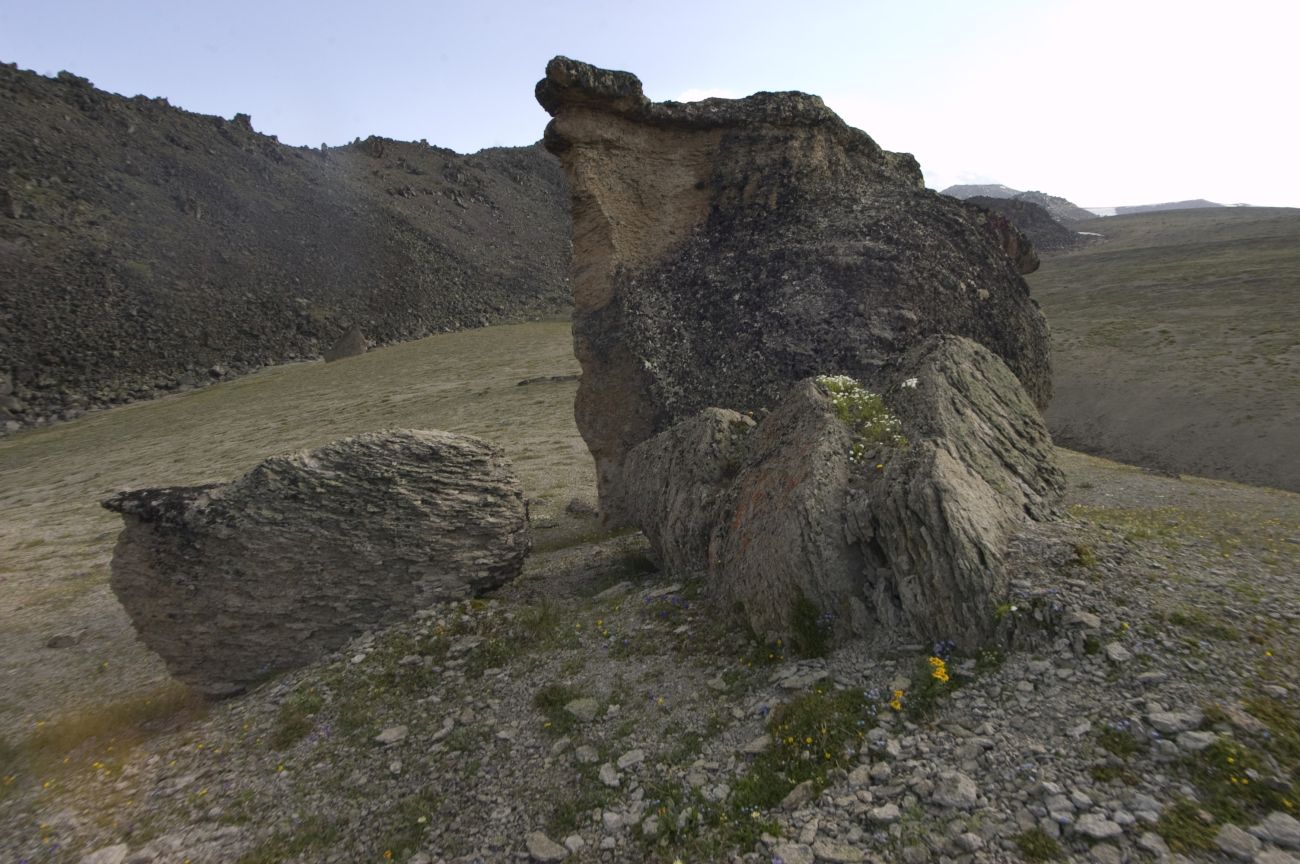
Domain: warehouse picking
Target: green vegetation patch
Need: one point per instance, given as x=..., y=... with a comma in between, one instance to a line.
x=570, y=811
x=408, y=822
x=550, y=701
x=810, y=628
x=692, y=828
x=811, y=735
x=1239, y=779
x=931, y=682
x=296, y=717
x=1186, y=828
x=864, y=413
x=312, y=833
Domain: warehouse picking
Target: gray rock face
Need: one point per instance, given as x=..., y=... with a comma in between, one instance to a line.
x=350, y=344
x=725, y=249
x=894, y=542
x=232, y=583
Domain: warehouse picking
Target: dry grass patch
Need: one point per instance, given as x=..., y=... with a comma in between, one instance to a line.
x=119, y=724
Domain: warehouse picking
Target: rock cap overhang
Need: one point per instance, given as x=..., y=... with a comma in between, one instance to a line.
x=573, y=84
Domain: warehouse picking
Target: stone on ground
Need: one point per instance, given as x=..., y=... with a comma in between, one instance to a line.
x=232, y=583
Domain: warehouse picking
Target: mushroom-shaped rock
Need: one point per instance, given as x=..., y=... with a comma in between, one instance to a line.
x=725, y=249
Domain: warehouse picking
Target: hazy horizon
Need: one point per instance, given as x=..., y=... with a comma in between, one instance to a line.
x=1102, y=103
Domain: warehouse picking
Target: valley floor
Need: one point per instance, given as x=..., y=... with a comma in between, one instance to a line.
x=1141, y=700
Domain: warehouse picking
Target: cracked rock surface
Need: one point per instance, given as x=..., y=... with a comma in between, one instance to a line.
x=232, y=583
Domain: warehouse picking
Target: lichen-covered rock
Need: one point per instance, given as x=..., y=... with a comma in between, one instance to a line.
x=725, y=249
x=232, y=583
x=891, y=541
x=934, y=523
x=677, y=480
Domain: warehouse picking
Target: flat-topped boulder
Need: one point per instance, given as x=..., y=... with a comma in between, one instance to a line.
x=726, y=249
x=234, y=582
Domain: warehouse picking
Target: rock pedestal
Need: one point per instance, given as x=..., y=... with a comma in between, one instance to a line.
x=725, y=249
x=232, y=583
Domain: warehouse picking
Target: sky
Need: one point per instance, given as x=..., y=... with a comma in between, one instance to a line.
x=1104, y=103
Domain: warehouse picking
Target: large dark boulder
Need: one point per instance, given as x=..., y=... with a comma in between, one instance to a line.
x=725, y=249
x=895, y=537
x=232, y=583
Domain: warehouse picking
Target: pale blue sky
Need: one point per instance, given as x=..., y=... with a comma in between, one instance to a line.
x=1104, y=102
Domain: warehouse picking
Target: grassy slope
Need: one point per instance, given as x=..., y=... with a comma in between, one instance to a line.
x=1175, y=342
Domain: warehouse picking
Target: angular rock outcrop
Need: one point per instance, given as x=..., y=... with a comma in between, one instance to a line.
x=895, y=542
x=232, y=583
x=725, y=249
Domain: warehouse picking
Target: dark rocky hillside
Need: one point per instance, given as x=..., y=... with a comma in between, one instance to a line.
x=1032, y=220
x=1063, y=211
x=1060, y=209
x=145, y=248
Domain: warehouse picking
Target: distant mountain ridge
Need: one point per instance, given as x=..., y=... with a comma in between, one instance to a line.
x=983, y=190
x=1033, y=221
x=143, y=247
x=1061, y=210
x=1193, y=204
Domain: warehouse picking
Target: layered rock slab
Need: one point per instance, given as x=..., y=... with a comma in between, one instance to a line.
x=901, y=543
x=232, y=583
x=725, y=249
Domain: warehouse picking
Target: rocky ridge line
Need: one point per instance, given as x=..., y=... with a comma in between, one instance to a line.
x=144, y=248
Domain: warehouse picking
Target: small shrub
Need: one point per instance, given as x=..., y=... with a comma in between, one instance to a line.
x=692, y=828
x=569, y=812
x=932, y=682
x=1108, y=773
x=1035, y=845
x=1221, y=774
x=989, y=660
x=1118, y=742
x=810, y=736
x=1184, y=829
x=314, y=832
x=296, y=718
x=550, y=700
x=810, y=628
